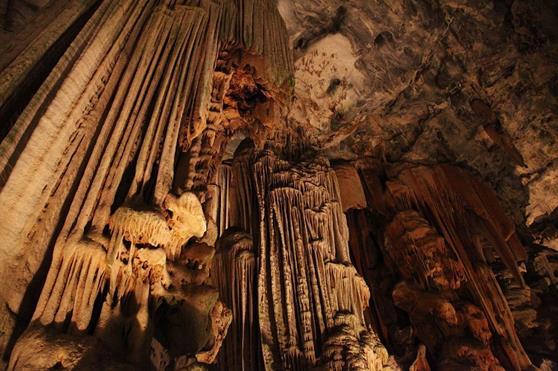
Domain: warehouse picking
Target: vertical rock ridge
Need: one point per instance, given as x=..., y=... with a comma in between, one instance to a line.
x=436, y=192
x=235, y=275
x=306, y=279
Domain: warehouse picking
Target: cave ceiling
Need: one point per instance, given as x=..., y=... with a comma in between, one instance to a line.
x=279, y=184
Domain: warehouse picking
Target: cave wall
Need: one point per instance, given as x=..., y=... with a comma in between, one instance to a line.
x=466, y=82
x=293, y=184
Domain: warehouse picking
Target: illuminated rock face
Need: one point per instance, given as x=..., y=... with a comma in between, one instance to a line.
x=306, y=279
x=204, y=184
x=439, y=247
x=297, y=301
x=121, y=137
x=474, y=226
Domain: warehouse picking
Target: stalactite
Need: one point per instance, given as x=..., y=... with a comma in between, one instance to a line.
x=129, y=60
x=81, y=278
x=351, y=292
x=235, y=274
x=202, y=158
x=473, y=226
x=22, y=57
x=136, y=116
x=304, y=262
x=125, y=142
x=241, y=207
x=225, y=196
x=261, y=38
x=58, y=167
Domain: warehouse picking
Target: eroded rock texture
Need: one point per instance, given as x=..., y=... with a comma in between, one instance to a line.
x=423, y=82
x=306, y=279
x=119, y=139
x=298, y=302
x=278, y=185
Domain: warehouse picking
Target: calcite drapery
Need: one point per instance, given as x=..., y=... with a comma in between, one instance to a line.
x=235, y=266
x=438, y=235
x=353, y=348
x=421, y=253
x=101, y=138
x=297, y=300
x=306, y=279
x=235, y=275
x=467, y=214
x=124, y=140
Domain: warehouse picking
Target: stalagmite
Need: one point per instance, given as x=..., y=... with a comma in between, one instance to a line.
x=433, y=191
x=353, y=348
x=304, y=262
x=235, y=275
x=179, y=192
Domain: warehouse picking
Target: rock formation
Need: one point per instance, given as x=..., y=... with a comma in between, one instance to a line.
x=278, y=185
x=136, y=92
